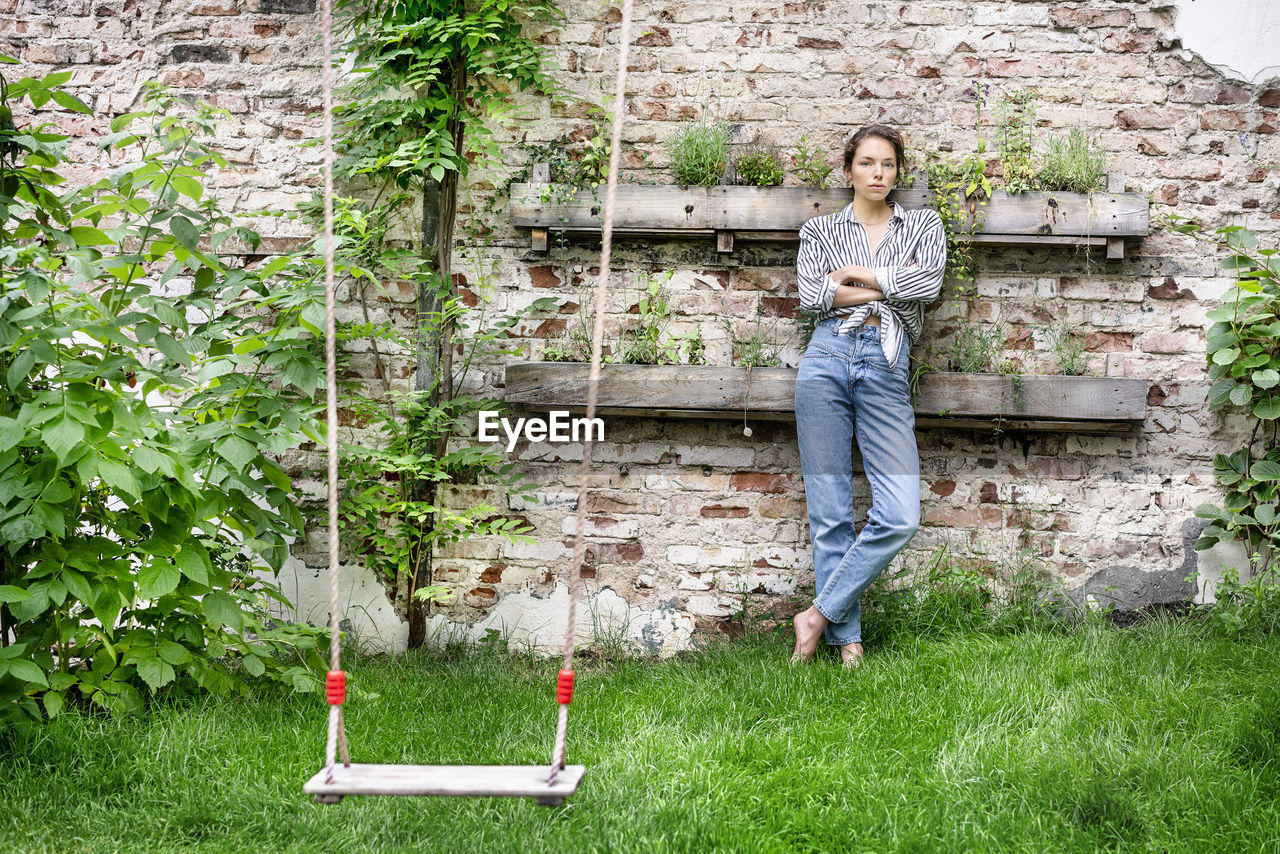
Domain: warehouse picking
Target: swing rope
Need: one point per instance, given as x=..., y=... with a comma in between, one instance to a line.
x=565, y=694
x=335, y=682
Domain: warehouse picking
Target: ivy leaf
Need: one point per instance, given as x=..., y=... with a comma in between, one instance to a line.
x=1266, y=378
x=1268, y=408
x=1264, y=470
x=157, y=579
x=1240, y=394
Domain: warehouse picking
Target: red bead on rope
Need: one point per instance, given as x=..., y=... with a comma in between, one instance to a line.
x=335, y=687
x=564, y=687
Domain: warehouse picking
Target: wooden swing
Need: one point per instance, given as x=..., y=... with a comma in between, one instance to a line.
x=547, y=785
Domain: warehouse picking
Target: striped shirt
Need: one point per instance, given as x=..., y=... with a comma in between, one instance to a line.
x=830, y=242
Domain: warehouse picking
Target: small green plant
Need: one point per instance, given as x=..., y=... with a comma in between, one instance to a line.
x=574, y=343
x=754, y=343
x=811, y=163
x=1067, y=346
x=1243, y=355
x=1073, y=164
x=961, y=220
x=699, y=152
x=759, y=166
x=1016, y=119
x=975, y=346
x=648, y=343
x=1252, y=607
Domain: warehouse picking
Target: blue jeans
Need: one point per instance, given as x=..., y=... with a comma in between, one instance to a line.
x=845, y=390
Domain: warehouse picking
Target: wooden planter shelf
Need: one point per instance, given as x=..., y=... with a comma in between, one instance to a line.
x=730, y=213
x=1035, y=402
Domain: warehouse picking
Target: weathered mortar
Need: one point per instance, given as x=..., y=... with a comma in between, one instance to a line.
x=679, y=509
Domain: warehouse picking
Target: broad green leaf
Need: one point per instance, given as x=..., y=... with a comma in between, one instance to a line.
x=171, y=348
x=1220, y=393
x=187, y=186
x=194, y=562
x=155, y=671
x=185, y=232
x=1227, y=356
x=145, y=458
x=1267, y=408
x=9, y=593
x=1264, y=470
x=221, y=610
x=1266, y=378
x=236, y=451
x=254, y=665
x=70, y=102
x=1265, y=513
x=19, y=368
x=166, y=313
x=1241, y=394
x=157, y=579
x=52, y=704
x=11, y=433
x=1210, y=511
x=174, y=653
x=62, y=436
x=119, y=478
x=28, y=671
x=86, y=235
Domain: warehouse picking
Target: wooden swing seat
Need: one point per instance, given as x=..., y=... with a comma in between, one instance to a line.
x=510, y=781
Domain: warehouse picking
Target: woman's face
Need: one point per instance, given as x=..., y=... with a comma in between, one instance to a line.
x=874, y=169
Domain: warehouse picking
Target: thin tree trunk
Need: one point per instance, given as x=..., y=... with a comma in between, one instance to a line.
x=436, y=353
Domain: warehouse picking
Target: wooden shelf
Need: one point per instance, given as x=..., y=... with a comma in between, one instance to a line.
x=729, y=213
x=952, y=400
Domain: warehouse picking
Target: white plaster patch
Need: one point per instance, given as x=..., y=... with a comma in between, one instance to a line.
x=535, y=622
x=371, y=621
x=1237, y=37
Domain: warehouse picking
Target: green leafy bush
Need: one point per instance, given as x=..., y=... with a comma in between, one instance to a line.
x=699, y=152
x=148, y=384
x=1243, y=355
x=1072, y=164
x=759, y=167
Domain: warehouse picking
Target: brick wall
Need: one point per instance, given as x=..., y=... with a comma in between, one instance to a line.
x=681, y=509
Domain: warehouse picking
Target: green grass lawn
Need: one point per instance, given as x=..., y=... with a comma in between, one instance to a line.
x=1160, y=737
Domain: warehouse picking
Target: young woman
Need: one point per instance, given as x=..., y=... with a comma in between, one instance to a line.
x=867, y=273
